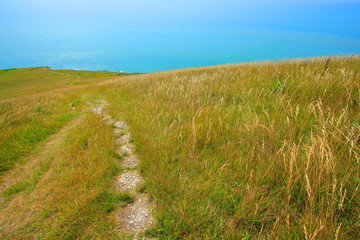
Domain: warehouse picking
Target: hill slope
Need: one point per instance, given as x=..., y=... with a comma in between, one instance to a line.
x=22, y=82
x=264, y=151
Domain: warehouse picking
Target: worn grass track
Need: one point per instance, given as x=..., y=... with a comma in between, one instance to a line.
x=68, y=194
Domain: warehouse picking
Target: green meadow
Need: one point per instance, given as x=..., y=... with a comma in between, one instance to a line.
x=265, y=150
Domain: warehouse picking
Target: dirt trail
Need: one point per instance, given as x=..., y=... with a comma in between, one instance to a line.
x=24, y=171
x=76, y=77
x=136, y=217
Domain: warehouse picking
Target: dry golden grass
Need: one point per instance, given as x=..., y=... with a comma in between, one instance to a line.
x=57, y=167
x=67, y=193
x=25, y=81
x=248, y=151
x=268, y=151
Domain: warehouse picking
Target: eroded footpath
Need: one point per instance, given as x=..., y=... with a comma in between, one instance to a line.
x=135, y=218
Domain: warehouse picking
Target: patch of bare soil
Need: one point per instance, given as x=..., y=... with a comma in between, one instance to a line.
x=128, y=149
x=128, y=181
x=121, y=125
x=130, y=161
x=117, y=131
x=136, y=217
x=124, y=139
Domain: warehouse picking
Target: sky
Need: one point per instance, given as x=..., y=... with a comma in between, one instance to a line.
x=327, y=16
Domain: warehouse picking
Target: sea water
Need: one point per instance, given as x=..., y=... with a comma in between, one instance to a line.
x=164, y=48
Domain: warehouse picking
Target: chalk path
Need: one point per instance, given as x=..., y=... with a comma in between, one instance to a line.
x=136, y=217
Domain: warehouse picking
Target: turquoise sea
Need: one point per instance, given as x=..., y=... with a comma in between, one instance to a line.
x=158, y=35
x=143, y=50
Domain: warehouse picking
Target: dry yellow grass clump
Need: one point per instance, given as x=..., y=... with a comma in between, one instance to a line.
x=246, y=151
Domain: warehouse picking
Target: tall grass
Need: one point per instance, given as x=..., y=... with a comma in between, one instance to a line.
x=249, y=151
x=25, y=122
x=73, y=197
x=56, y=160
x=30, y=112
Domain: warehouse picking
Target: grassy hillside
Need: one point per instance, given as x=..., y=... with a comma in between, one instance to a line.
x=44, y=103
x=57, y=162
x=22, y=82
x=248, y=151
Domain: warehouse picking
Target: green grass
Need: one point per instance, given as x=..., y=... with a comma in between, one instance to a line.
x=26, y=125
x=249, y=151
x=243, y=151
x=16, y=188
x=71, y=189
x=30, y=118
x=50, y=155
x=25, y=81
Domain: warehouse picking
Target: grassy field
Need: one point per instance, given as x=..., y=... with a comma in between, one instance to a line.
x=57, y=161
x=247, y=151
x=22, y=82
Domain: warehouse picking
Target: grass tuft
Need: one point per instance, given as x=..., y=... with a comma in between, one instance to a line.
x=16, y=188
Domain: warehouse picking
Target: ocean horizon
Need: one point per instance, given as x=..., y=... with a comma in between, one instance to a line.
x=162, y=37
x=161, y=50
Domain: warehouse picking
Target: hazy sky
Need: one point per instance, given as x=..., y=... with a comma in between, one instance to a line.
x=332, y=16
